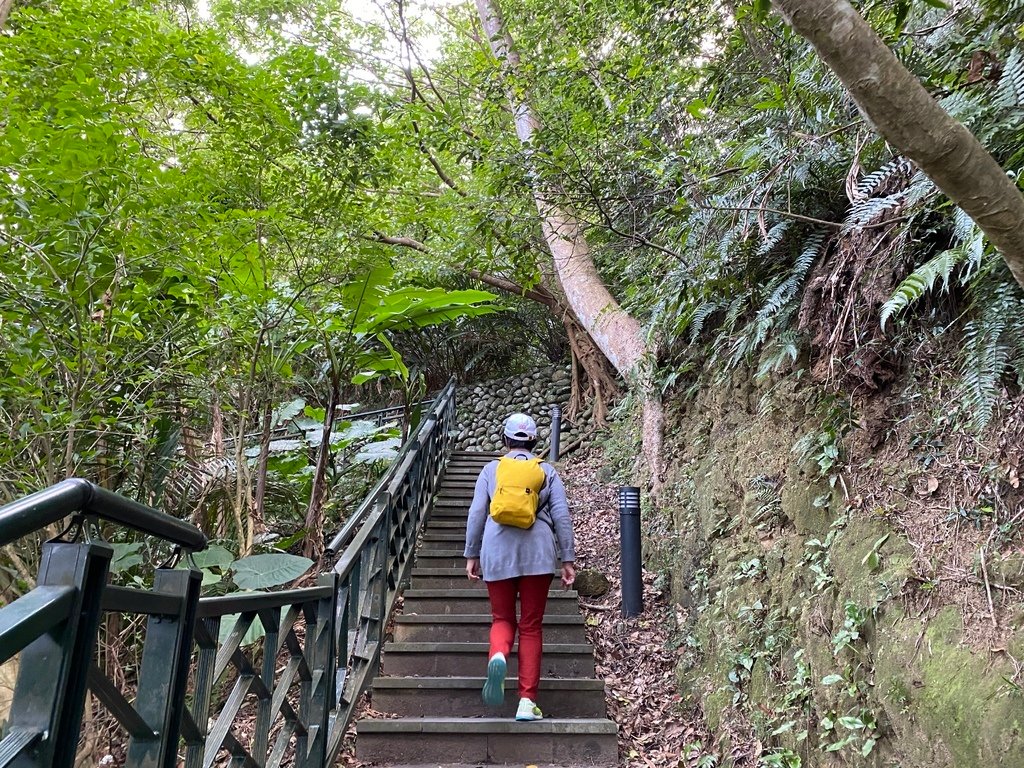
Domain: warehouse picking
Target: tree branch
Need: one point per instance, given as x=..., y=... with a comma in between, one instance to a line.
x=404, y=242
x=539, y=294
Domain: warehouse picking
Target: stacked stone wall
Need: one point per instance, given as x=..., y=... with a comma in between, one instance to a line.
x=483, y=407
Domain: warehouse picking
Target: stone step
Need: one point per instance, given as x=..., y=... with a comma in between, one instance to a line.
x=467, y=628
x=449, y=512
x=460, y=697
x=436, y=545
x=452, y=496
x=433, y=526
x=587, y=741
x=443, y=516
x=473, y=600
x=427, y=547
x=468, y=465
x=462, y=659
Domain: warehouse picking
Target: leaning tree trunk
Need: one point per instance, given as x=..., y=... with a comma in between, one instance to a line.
x=906, y=116
x=615, y=332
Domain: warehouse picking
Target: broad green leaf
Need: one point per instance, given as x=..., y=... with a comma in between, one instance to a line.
x=269, y=570
x=214, y=556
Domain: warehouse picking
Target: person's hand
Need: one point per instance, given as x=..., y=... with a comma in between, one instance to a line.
x=568, y=574
x=473, y=568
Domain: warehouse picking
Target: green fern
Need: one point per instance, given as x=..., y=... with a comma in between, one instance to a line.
x=1010, y=90
x=865, y=211
x=700, y=316
x=969, y=249
x=993, y=344
x=787, y=288
x=869, y=185
x=921, y=281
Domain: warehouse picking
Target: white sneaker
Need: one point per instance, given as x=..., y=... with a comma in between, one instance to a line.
x=494, y=685
x=528, y=711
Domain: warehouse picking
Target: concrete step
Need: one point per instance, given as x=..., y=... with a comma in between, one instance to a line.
x=432, y=545
x=460, y=697
x=441, y=578
x=437, y=526
x=449, y=512
x=463, y=659
x=440, y=558
x=589, y=741
x=442, y=537
x=443, y=516
x=473, y=600
x=467, y=628
x=454, y=501
x=465, y=467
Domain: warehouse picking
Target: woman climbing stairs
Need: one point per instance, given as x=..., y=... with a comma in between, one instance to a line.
x=433, y=669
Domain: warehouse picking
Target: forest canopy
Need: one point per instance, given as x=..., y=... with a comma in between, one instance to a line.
x=209, y=210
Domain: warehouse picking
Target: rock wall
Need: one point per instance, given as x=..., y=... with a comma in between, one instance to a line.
x=836, y=610
x=482, y=408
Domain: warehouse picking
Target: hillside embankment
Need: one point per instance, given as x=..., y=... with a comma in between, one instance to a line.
x=850, y=574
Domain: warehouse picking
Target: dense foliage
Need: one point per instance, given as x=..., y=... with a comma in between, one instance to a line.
x=190, y=199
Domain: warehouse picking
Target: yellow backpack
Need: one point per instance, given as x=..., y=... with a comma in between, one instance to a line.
x=517, y=492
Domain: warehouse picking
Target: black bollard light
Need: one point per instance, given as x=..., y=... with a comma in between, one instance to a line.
x=629, y=536
x=556, y=432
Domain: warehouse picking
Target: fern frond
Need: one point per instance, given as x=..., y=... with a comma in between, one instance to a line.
x=785, y=291
x=1010, y=89
x=985, y=359
x=991, y=345
x=869, y=185
x=700, y=316
x=870, y=209
x=921, y=281
x=773, y=238
x=783, y=352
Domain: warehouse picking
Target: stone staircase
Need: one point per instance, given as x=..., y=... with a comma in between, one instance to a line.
x=433, y=669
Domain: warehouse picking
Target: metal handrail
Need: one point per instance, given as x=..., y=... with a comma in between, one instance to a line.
x=319, y=652
x=344, y=536
x=43, y=508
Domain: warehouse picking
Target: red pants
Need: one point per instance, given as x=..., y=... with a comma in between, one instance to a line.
x=533, y=598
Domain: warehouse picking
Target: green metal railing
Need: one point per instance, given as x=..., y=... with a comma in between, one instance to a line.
x=295, y=688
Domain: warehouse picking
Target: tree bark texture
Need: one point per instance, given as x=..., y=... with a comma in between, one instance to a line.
x=5, y=10
x=905, y=115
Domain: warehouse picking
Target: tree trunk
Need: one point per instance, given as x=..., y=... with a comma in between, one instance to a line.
x=614, y=331
x=314, y=543
x=258, y=522
x=5, y=10
x=906, y=116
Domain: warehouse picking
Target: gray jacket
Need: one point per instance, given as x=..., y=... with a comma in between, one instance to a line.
x=505, y=551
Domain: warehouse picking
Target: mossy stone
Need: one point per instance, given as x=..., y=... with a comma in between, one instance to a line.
x=591, y=583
